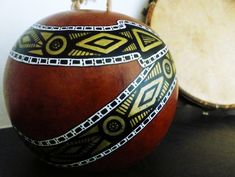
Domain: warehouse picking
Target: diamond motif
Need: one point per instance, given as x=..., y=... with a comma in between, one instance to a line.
x=147, y=96
x=102, y=42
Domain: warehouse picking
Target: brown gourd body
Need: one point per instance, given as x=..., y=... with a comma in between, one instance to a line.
x=45, y=102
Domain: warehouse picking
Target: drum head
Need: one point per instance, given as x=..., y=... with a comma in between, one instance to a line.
x=201, y=37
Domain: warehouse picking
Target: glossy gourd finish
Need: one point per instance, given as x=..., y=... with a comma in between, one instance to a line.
x=90, y=89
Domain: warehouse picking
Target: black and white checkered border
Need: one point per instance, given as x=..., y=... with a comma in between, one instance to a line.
x=121, y=24
x=89, y=61
x=125, y=140
x=146, y=62
x=128, y=138
x=74, y=62
x=94, y=118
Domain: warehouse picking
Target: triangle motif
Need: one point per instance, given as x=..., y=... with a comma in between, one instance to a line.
x=146, y=40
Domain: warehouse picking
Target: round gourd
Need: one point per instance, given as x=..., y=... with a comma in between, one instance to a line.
x=90, y=89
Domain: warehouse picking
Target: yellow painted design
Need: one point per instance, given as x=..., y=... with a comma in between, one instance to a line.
x=77, y=35
x=124, y=107
x=30, y=40
x=149, y=95
x=168, y=55
x=26, y=39
x=35, y=37
x=127, y=34
x=156, y=85
x=130, y=48
x=83, y=53
x=103, y=42
x=172, y=62
x=139, y=118
x=72, y=52
x=40, y=43
x=37, y=52
x=92, y=42
x=146, y=40
x=120, y=111
x=114, y=126
x=167, y=68
x=75, y=53
x=46, y=35
x=29, y=45
x=155, y=71
x=58, y=48
x=164, y=89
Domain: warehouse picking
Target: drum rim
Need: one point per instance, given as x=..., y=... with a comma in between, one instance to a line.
x=184, y=93
x=204, y=103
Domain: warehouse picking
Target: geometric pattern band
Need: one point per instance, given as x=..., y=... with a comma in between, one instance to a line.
x=89, y=45
x=88, y=62
x=94, y=118
x=121, y=143
x=117, y=122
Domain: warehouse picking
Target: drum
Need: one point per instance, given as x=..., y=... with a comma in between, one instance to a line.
x=200, y=35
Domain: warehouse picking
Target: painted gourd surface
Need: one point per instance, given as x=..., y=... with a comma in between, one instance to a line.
x=91, y=89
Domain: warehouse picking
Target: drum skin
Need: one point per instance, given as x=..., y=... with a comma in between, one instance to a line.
x=74, y=115
x=205, y=70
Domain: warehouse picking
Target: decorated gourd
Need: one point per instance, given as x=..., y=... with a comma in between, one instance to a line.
x=90, y=89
